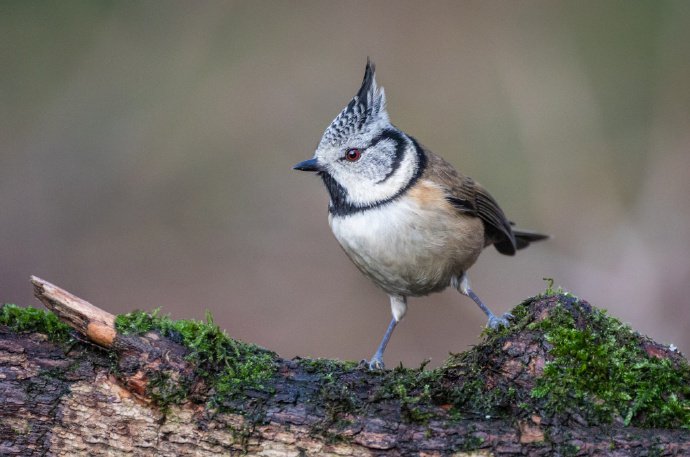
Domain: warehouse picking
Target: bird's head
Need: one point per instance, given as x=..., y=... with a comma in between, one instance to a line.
x=362, y=158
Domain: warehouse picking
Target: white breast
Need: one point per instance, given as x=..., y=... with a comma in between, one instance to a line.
x=410, y=246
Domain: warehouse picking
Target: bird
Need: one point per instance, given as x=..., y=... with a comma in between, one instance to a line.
x=405, y=217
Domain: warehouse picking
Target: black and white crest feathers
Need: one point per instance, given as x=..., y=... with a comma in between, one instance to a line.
x=368, y=89
x=366, y=108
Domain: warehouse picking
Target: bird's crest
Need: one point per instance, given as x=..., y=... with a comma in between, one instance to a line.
x=367, y=107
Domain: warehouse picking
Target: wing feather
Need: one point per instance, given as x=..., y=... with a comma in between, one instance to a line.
x=468, y=197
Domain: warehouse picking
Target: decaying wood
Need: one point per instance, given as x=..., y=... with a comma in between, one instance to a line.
x=93, y=400
x=90, y=321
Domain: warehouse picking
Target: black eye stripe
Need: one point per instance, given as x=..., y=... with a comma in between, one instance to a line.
x=399, y=141
x=387, y=135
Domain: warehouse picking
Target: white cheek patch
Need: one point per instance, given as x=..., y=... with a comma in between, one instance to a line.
x=363, y=192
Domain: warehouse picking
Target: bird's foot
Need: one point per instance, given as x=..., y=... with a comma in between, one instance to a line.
x=495, y=321
x=375, y=364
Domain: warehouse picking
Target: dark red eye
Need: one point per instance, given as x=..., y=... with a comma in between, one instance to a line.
x=353, y=155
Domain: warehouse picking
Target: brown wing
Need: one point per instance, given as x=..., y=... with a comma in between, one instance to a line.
x=471, y=198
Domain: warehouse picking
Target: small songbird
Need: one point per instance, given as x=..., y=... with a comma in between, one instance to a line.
x=406, y=218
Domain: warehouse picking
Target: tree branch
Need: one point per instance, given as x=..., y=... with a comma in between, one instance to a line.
x=154, y=386
x=94, y=323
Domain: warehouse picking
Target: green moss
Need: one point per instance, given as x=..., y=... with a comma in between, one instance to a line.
x=166, y=390
x=413, y=389
x=601, y=370
x=337, y=399
x=347, y=388
x=472, y=396
x=549, y=287
x=597, y=369
x=472, y=442
x=415, y=408
x=34, y=320
x=228, y=366
x=326, y=366
x=467, y=387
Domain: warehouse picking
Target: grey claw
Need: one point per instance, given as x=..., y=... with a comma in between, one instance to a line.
x=503, y=321
x=376, y=364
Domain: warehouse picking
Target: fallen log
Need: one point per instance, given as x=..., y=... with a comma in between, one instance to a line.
x=564, y=379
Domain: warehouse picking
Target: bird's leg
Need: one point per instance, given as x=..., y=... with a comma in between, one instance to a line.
x=376, y=362
x=398, y=308
x=463, y=286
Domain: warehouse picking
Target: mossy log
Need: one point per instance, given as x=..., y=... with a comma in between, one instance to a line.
x=564, y=379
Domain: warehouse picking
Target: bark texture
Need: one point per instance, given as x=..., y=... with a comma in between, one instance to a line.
x=93, y=396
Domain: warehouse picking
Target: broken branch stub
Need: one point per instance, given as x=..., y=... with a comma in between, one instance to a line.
x=94, y=323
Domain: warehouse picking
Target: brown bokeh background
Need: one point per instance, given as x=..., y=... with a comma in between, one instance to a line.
x=146, y=152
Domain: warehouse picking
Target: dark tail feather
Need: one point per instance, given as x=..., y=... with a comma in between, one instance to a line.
x=524, y=237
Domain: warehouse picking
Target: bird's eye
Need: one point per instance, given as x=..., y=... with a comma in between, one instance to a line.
x=353, y=155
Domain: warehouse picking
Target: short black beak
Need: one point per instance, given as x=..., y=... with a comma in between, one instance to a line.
x=307, y=165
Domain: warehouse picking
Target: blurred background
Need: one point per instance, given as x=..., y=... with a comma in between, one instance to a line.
x=146, y=152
